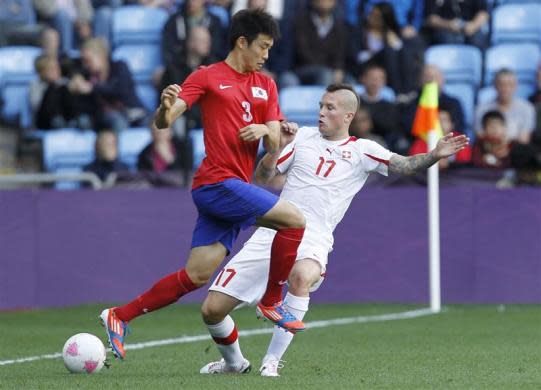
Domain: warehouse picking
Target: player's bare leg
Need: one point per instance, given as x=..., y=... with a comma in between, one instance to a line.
x=202, y=263
x=304, y=275
x=215, y=312
x=289, y=223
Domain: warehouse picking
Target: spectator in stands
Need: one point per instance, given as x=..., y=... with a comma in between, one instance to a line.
x=198, y=52
x=447, y=126
x=176, y=33
x=519, y=113
x=53, y=106
x=320, y=46
x=362, y=126
x=108, y=88
x=453, y=21
x=408, y=13
x=106, y=161
x=17, y=23
x=168, y=157
x=492, y=147
x=408, y=105
x=379, y=41
x=383, y=113
x=535, y=99
x=71, y=18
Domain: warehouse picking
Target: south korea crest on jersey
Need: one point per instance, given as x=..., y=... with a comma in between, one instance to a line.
x=259, y=93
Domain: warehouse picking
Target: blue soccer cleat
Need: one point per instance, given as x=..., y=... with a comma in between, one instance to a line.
x=116, y=330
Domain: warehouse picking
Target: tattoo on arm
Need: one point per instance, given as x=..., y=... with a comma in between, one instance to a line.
x=264, y=173
x=413, y=164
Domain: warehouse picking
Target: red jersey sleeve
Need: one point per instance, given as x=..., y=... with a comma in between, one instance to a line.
x=194, y=86
x=273, y=110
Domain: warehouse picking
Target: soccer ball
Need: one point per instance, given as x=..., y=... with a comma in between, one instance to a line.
x=83, y=352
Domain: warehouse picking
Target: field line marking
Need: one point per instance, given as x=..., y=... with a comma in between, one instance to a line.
x=250, y=332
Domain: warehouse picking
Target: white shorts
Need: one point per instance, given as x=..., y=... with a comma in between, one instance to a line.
x=245, y=276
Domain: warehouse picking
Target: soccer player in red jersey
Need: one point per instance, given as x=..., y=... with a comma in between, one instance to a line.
x=239, y=108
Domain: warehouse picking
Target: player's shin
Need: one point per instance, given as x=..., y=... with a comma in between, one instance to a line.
x=283, y=255
x=298, y=306
x=226, y=337
x=166, y=291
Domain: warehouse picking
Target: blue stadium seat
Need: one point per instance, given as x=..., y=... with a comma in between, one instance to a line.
x=198, y=142
x=133, y=24
x=23, y=12
x=301, y=103
x=387, y=93
x=148, y=95
x=517, y=23
x=488, y=94
x=466, y=96
x=523, y=59
x=142, y=60
x=17, y=69
x=459, y=63
x=68, y=151
x=131, y=142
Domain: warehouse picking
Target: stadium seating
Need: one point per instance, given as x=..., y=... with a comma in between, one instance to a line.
x=131, y=142
x=466, y=96
x=301, y=103
x=17, y=69
x=137, y=25
x=517, y=23
x=148, y=95
x=142, y=60
x=196, y=135
x=459, y=63
x=523, y=59
x=68, y=151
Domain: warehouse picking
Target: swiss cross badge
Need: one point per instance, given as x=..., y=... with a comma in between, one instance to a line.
x=346, y=154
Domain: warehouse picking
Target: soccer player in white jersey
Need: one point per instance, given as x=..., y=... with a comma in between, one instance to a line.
x=324, y=169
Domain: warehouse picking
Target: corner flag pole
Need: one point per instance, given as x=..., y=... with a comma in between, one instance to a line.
x=434, y=227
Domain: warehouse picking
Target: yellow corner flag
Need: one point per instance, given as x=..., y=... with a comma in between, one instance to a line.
x=426, y=117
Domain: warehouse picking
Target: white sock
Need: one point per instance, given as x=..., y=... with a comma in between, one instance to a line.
x=227, y=341
x=298, y=306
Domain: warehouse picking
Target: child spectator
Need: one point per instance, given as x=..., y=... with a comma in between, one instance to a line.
x=106, y=161
x=492, y=148
x=362, y=127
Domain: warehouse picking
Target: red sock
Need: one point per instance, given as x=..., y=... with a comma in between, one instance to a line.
x=283, y=255
x=166, y=291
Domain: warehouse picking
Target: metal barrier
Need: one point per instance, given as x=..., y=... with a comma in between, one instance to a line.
x=37, y=178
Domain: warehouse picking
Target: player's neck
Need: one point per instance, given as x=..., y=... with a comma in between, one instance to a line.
x=336, y=137
x=235, y=62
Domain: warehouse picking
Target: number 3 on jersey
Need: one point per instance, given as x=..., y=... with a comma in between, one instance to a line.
x=247, y=117
x=322, y=161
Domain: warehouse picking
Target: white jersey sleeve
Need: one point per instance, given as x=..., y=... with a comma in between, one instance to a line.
x=374, y=157
x=288, y=154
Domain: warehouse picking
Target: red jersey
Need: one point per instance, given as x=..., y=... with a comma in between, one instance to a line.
x=229, y=101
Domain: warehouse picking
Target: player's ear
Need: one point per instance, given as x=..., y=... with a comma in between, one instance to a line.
x=242, y=42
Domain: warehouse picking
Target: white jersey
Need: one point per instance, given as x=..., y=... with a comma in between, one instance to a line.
x=323, y=177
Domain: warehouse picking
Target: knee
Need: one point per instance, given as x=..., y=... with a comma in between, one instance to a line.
x=296, y=219
x=199, y=278
x=212, y=313
x=300, y=282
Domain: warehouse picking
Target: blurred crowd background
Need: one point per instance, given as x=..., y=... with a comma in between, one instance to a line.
x=80, y=79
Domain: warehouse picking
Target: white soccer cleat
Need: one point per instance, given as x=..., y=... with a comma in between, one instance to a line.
x=221, y=367
x=270, y=366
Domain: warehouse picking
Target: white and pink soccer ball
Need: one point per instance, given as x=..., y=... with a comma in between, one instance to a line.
x=84, y=352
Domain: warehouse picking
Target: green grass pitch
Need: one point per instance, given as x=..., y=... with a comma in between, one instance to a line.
x=464, y=347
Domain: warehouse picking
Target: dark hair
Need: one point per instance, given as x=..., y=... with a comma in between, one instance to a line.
x=389, y=17
x=343, y=86
x=251, y=23
x=492, y=115
x=503, y=72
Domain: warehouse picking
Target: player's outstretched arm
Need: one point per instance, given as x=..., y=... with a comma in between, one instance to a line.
x=447, y=146
x=171, y=107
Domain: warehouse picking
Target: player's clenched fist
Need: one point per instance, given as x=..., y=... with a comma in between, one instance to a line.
x=288, y=130
x=169, y=94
